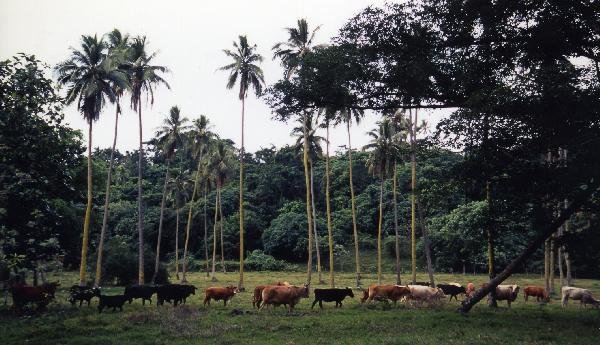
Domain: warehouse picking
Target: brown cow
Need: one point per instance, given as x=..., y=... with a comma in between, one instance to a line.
x=41, y=294
x=257, y=296
x=219, y=293
x=536, y=291
x=391, y=292
x=287, y=295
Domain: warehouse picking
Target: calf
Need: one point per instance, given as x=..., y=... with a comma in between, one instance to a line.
x=588, y=299
x=536, y=291
x=452, y=290
x=257, y=295
x=144, y=292
x=470, y=290
x=425, y=293
x=174, y=293
x=113, y=302
x=507, y=293
x=331, y=295
x=584, y=296
x=288, y=295
x=219, y=294
x=82, y=293
x=383, y=292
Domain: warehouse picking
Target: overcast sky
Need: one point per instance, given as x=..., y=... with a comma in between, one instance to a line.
x=189, y=36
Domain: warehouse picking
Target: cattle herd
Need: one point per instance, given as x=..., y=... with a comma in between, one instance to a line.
x=286, y=294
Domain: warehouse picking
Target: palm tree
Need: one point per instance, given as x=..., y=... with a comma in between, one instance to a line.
x=170, y=138
x=197, y=143
x=90, y=78
x=245, y=68
x=145, y=77
x=307, y=125
x=381, y=161
x=117, y=51
x=178, y=188
x=290, y=52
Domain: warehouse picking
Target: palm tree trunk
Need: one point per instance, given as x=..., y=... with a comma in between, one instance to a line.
x=329, y=227
x=490, y=245
x=552, y=265
x=88, y=213
x=206, y=230
x=547, y=265
x=353, y=205
x=188, y=225
x=396, y=230
x=308, y=208
x=379, y=276
x=426, y=243
x=561, y=272
x=241, y=213
x=160, y=223
x=413, y=217
x=177, y=240
x=141, y=279
x=314, y=216
x=221, y=233
x=215, y=227
x=106, y=202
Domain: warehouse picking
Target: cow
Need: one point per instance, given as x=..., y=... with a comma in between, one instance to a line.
x=82, y=293
x=425, y=293
x=144, y=292
x=536, y=291
x=507, y=293
x=584, y=296
x=113, y=302
x=24, y=294
x=470, y=289
x=383, y=292
x=257, y=295
x=331, y=295
x=174, y=293
x=278, y=295
x=219, y=294
x=589, y=299
x=452, y=290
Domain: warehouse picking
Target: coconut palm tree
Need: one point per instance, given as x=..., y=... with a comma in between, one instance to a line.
x=170, y=137
x=198, y=141
x=178, y=194
x=118, y=49
x=245, y=69
x=90, y=78
x=384, y=154
x=314, y=152
x=290, y=52
x=145, y=77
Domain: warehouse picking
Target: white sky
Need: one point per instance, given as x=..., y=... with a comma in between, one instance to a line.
x=189, y=36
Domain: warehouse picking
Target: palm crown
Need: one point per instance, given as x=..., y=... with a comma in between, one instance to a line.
x=313, y=140
x=244, y=67
x=170, y=134
x=385, y=149
x=298, y=44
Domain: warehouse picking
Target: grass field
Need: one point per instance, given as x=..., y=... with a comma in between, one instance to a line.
x=379, y=323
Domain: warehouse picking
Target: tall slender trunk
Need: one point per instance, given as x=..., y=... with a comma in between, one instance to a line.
x=241, y=213
x=160, y=223
x=327, y=202
x=396, y=227
x=413, y=216
x=221, y=233
x=177, y=239
x=561, y=272
x=379, y=275
x=353, y=205
x=206, y=230
x=567, y=226
x=552, y=266
x=88, y=213
x=188, y=225
x=490, y=244
x=314, y=217
x=215, y=227
x=141, y=279
x=426, y=243
x=547, y=265
x=106, y=202
x=308, y=208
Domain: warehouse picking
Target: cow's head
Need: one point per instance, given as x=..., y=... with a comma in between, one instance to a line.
x=232, y=289
x=349, y=292
x=304, y=290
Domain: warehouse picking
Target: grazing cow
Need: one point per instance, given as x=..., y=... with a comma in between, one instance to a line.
x=452, y=290
x=219, y=293
x=82, y=293
x=331, y=295
x=41, y=295
x=113, y=302
x=391, y=292
x=278, y=295
x=144, y=292
x=536, y=291
x=584, y=296
x=588, y=299
x=174, y=293
x=507, y=293
x=470, y=289
x=257, y=295
x=425, y=293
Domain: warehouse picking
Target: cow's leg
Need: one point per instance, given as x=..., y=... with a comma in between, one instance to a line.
x=313, y=304
x=321, y=304
x=225, y=302
x=526, y=295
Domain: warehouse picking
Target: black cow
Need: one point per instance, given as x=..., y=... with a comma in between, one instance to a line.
x=452, y=290
x=144, y=292
x=331, y=295
x=174, y=293
x=83, y=293
x=113, y=302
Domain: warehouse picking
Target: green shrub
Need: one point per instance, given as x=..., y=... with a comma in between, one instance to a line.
x=257, y=260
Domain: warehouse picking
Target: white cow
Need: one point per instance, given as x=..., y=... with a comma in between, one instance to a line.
x=507, y=293
x=583, y=295
x=425, y=293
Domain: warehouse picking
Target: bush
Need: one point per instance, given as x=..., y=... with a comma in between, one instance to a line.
x=257, y=260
